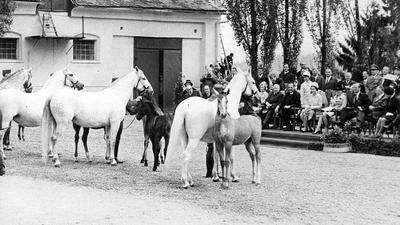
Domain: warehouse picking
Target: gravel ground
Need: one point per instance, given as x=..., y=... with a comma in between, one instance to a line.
x=298, y=187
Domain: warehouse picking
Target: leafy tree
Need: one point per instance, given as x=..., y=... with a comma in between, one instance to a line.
x=248, y=22
x=270, y=39
x=290, y=33
x=323, y=22
x=6, y=9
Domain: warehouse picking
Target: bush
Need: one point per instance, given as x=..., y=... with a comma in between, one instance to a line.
x=375, y=146
x=334, y=136
x=316, y=146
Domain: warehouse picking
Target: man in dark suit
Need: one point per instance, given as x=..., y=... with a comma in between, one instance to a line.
x=274, y=99
x=330, y=84
x=286, y=76
x=189, y=91
x=321, y=82
x=290, y=101
x=357, y=106
x=347, y=82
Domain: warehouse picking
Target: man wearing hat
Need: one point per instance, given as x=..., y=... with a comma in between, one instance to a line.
x=373, y=82
x=189, y=91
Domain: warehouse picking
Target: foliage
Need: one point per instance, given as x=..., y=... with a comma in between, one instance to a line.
x=290, y=33
x=178, y=90
x=323, y=21
x=316, y=146
x=336, y=135
x=375, y=146
x=6, y=9
x=378, y=40
x=270, y=36
x=250, y=21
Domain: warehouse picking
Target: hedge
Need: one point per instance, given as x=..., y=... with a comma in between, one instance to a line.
x=375, y=146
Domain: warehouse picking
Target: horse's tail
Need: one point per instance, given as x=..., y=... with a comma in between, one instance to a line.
x=178, y=135
x=48, y=124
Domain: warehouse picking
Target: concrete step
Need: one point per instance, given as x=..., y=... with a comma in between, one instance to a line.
x=285, y=142
x=290, y=135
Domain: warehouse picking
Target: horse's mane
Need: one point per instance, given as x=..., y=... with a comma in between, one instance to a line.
x=151, y=100
x=10, y=76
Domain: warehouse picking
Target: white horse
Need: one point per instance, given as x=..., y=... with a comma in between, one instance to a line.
x=105, y=108
x=26, y=109
x=16, y=80
x=195, y=118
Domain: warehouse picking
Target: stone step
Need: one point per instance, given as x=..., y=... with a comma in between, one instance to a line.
x=291, y=135
x=303, y=144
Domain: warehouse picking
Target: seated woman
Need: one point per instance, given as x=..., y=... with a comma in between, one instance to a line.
x=311, y=102
x=338, y=102
x=262, y=100
x=392, y=115
x=380, y=103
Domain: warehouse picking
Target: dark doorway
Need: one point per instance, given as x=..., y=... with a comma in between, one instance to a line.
x=161, y=61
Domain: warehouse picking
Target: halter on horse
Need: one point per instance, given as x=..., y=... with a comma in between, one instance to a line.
x=105, y=108
x=195, y=118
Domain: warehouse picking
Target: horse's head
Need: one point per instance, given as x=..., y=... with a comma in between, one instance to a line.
x=143, y=83
x=71, y=80
x=19, y=79
x=222, y=110
x=251, y=87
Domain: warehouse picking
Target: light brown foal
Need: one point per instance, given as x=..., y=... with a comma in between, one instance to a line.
x=228, y=132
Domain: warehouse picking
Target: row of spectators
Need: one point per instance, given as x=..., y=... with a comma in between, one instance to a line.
x=374, y=100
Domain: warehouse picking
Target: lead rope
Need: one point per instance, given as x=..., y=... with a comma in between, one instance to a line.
x=130, y=123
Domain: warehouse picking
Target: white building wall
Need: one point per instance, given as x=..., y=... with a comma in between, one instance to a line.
x=114, y=30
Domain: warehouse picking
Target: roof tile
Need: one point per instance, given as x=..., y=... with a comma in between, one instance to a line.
x=195, y=5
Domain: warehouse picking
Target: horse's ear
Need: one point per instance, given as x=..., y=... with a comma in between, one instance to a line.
x=137, y=69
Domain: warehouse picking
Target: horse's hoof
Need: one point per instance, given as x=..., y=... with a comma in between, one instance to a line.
x=57, y=164
x=119, y=161
x=185, y=186
x=145, y=163
x=235, y=180
x=258, y=183
x=7, y=148
x=50, y=155
x=142, y=161
x=216, y=179
x=108, y=161
x=76, y=159
x=113, y=162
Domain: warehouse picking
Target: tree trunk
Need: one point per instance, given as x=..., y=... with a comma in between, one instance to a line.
x=358, y=33
x=254, y=45
x=323, y=38
x=286, y=42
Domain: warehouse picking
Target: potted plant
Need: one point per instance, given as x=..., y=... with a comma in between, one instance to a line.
x=335, y=141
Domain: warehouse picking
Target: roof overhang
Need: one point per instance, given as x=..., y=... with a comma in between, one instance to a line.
x=55, y=37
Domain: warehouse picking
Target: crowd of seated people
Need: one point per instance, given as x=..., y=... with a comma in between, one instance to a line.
x=314, y=103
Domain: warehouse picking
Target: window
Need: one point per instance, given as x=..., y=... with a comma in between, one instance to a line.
x=84, y=50
x=8, y=48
